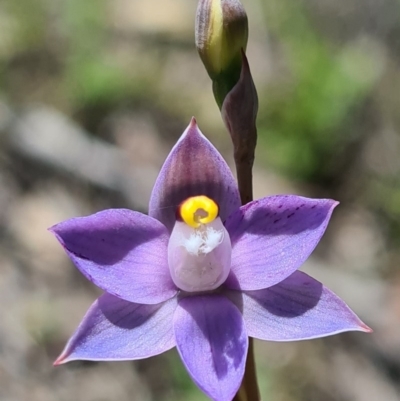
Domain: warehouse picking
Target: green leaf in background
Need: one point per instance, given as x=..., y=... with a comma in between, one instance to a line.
x=305, y=113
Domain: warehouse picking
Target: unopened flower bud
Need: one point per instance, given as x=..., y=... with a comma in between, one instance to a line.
x=221, y=36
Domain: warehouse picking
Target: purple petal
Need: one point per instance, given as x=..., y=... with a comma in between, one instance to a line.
x=121, y=251
x=272, y=237
x=298, y=308
x=115, y=330
x=212, y=341
x=194, y=167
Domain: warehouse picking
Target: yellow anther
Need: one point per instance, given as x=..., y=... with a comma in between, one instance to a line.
x=198, y=210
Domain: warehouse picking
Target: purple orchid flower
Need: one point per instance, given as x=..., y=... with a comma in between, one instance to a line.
x=203, y=276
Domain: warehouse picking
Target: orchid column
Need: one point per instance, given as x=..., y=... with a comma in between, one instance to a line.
x=221, y=40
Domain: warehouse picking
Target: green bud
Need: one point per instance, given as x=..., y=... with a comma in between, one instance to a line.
x=221, y=36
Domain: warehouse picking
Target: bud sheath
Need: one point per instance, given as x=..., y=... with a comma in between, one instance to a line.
x=221, y=36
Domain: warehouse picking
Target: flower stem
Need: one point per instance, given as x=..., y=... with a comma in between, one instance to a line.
x=248, y=390
x=244, y=159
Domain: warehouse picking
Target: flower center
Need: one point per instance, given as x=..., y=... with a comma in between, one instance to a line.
x=199, y=249
x=198, y=210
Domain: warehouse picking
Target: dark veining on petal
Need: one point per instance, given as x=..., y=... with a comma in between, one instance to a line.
x=193, y=168
x=271, y=220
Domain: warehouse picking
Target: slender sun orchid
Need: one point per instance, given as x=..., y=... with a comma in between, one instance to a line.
x=201, y=272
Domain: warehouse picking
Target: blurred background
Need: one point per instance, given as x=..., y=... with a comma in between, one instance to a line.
x=93, y=95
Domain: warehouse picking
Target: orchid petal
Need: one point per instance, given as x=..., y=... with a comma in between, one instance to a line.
x=122, y=252
x=212, y=342
x=298, y=308
x=272, y=237
x=194, y=167
x=116, y=330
